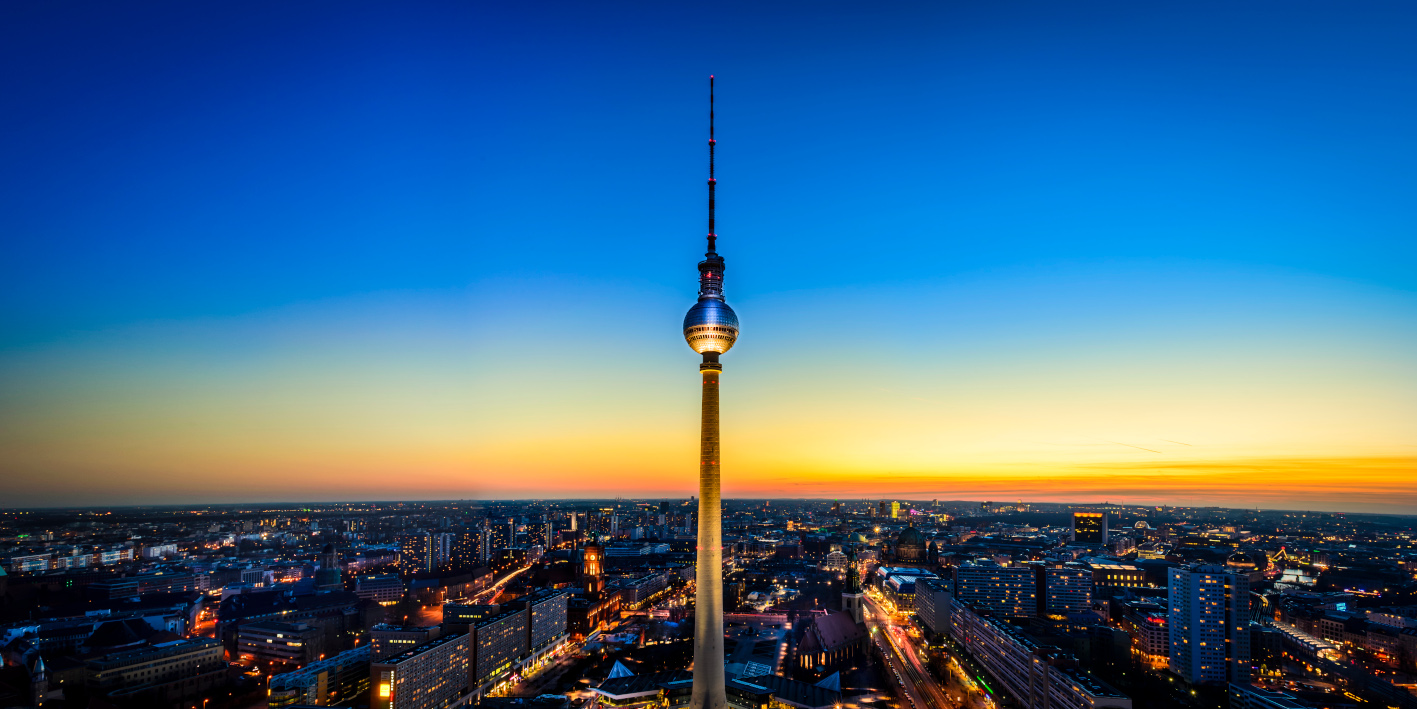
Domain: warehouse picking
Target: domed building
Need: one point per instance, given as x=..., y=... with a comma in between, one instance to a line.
x=910, y=546
x=1240, y=563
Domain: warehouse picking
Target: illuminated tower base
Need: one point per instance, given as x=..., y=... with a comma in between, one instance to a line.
x=708, y=599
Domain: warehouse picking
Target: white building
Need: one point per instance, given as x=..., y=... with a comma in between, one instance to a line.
x=1209, y=615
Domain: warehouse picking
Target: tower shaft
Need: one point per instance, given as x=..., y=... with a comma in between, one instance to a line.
x=709, y=676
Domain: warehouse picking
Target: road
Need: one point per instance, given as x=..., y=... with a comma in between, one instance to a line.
x=916, y=683
x=923, y=690
x=433, y=614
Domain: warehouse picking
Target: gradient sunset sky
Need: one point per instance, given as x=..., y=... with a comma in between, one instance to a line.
x=1158, y=253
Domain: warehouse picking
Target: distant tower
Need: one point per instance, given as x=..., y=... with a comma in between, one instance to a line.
x=39, y=682
x=852, y=598
x=592, y=566
x=484, y=543
x=327, y=577
x=711, y=328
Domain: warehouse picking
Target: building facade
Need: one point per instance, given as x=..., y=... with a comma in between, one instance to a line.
x=326, y=683
x=1090, y=527
x=1033, y=676
x=1208, y=618
x=284, y=643
x=430, y=676
x=496, y=645
x=1004, y=591
x=387, y=640
x=1063, y=590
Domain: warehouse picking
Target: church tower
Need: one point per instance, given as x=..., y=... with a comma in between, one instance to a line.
x=852, y=599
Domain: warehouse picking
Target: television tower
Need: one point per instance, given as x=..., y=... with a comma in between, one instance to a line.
x=710, y=328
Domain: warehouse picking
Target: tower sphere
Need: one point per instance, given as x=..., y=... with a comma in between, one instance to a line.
x=711, y=326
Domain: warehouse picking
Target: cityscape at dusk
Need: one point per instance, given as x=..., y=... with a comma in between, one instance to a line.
x=949, y=355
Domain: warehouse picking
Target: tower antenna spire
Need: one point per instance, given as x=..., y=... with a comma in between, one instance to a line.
x=712, y=236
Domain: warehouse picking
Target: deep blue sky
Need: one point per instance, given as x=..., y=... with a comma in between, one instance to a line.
x=172, y=160
x=1153, y=251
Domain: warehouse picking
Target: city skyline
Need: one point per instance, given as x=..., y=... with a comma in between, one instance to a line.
x=1070, y=256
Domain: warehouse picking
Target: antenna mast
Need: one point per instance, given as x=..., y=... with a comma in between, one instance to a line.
x=712, y=237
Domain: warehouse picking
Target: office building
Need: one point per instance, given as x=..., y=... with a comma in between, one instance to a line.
x=388, y=640
x=1106, y=572
x=1208, y=619
x=285, y=643
x=1063, y=590
x=155, y=675
x=1004, y=591
x=326, y=683
x=429, y=676
x=1090, y=527
x=932, y=604
x=384, y=589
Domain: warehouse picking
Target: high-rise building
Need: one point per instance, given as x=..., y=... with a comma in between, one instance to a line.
x=429, y=676
x=1003, y=591
x=496, y=644
x=486, y=540
x=546, y=617
x=465, y=548
x=443, y=549
x=416, y=553
x=895, y=510
x=932, y=604
x=1063, y=590
x=1209, y=624
x=495, y=535
x=1090, y=527
x=711, y=328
